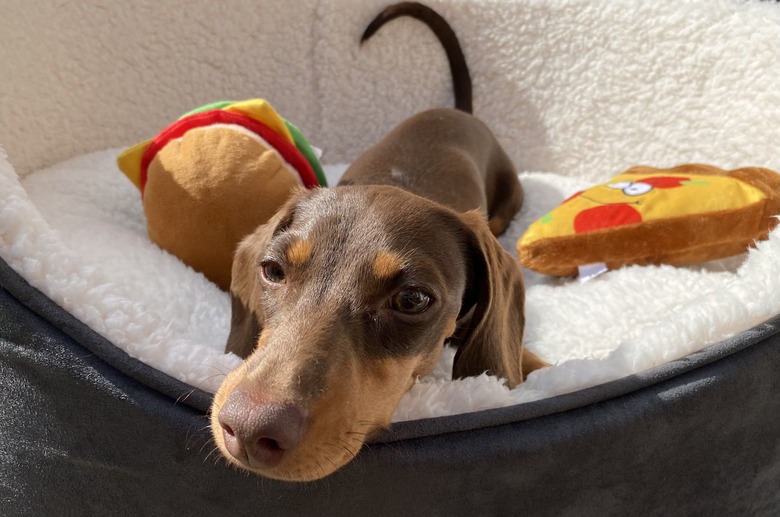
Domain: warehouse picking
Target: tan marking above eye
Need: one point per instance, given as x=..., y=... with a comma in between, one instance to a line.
x=299, y=252
x=387, y=265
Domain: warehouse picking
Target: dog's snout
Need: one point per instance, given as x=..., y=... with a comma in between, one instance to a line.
x=259, y=433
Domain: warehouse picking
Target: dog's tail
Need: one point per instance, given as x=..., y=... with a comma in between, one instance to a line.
x=461, y=79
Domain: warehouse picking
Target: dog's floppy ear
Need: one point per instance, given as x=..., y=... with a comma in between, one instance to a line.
x=247, y=317
x=490, y=326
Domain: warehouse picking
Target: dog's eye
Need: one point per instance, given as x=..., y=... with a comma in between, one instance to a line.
x=272, y=272
x=410, y=301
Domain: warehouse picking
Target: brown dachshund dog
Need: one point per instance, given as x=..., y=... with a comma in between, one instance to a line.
x=349, y=294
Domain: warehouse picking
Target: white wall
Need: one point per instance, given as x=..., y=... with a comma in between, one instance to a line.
x=586, y=87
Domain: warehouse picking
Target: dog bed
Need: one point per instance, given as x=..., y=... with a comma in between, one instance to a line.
x=663, y=394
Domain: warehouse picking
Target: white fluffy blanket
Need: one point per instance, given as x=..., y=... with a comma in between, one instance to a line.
x=76, y=231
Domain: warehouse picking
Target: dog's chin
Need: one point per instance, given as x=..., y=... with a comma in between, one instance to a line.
x=311, y=459
x=317, y=467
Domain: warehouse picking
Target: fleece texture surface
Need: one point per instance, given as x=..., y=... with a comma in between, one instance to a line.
x=76, y=232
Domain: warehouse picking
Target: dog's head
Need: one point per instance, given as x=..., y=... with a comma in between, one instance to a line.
x=342, y=300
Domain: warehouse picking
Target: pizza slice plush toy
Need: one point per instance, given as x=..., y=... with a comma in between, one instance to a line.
x=680, y=216
x=214, y=175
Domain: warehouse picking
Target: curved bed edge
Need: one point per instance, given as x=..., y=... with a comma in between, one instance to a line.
x=200, y=400
x=696, y=436
x=36, y=301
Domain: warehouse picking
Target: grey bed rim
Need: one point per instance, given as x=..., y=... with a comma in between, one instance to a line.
x=199, y=400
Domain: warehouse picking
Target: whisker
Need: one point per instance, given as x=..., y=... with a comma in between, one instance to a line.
x=220, y=368
x=184, y=396
x=345, y=446
x=324, y=455
x=209, y=442
x=192, y=435
x=213, y=450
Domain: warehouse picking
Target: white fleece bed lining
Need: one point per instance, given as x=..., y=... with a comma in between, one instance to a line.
x=76, y=231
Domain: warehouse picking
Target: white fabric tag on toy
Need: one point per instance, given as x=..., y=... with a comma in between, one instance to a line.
x=317, y=152
x=591, y=271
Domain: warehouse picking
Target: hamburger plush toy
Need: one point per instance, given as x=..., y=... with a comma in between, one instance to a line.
x=214, y=175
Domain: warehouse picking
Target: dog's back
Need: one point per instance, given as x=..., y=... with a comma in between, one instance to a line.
x=443, y=154
x=446, y=155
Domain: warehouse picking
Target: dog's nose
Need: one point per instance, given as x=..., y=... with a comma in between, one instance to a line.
x=259, y=433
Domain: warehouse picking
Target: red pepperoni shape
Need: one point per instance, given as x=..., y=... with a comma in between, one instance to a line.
x=606, y=216
x=664, y=181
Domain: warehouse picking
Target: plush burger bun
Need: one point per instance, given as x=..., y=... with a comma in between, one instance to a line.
x=213, y=176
